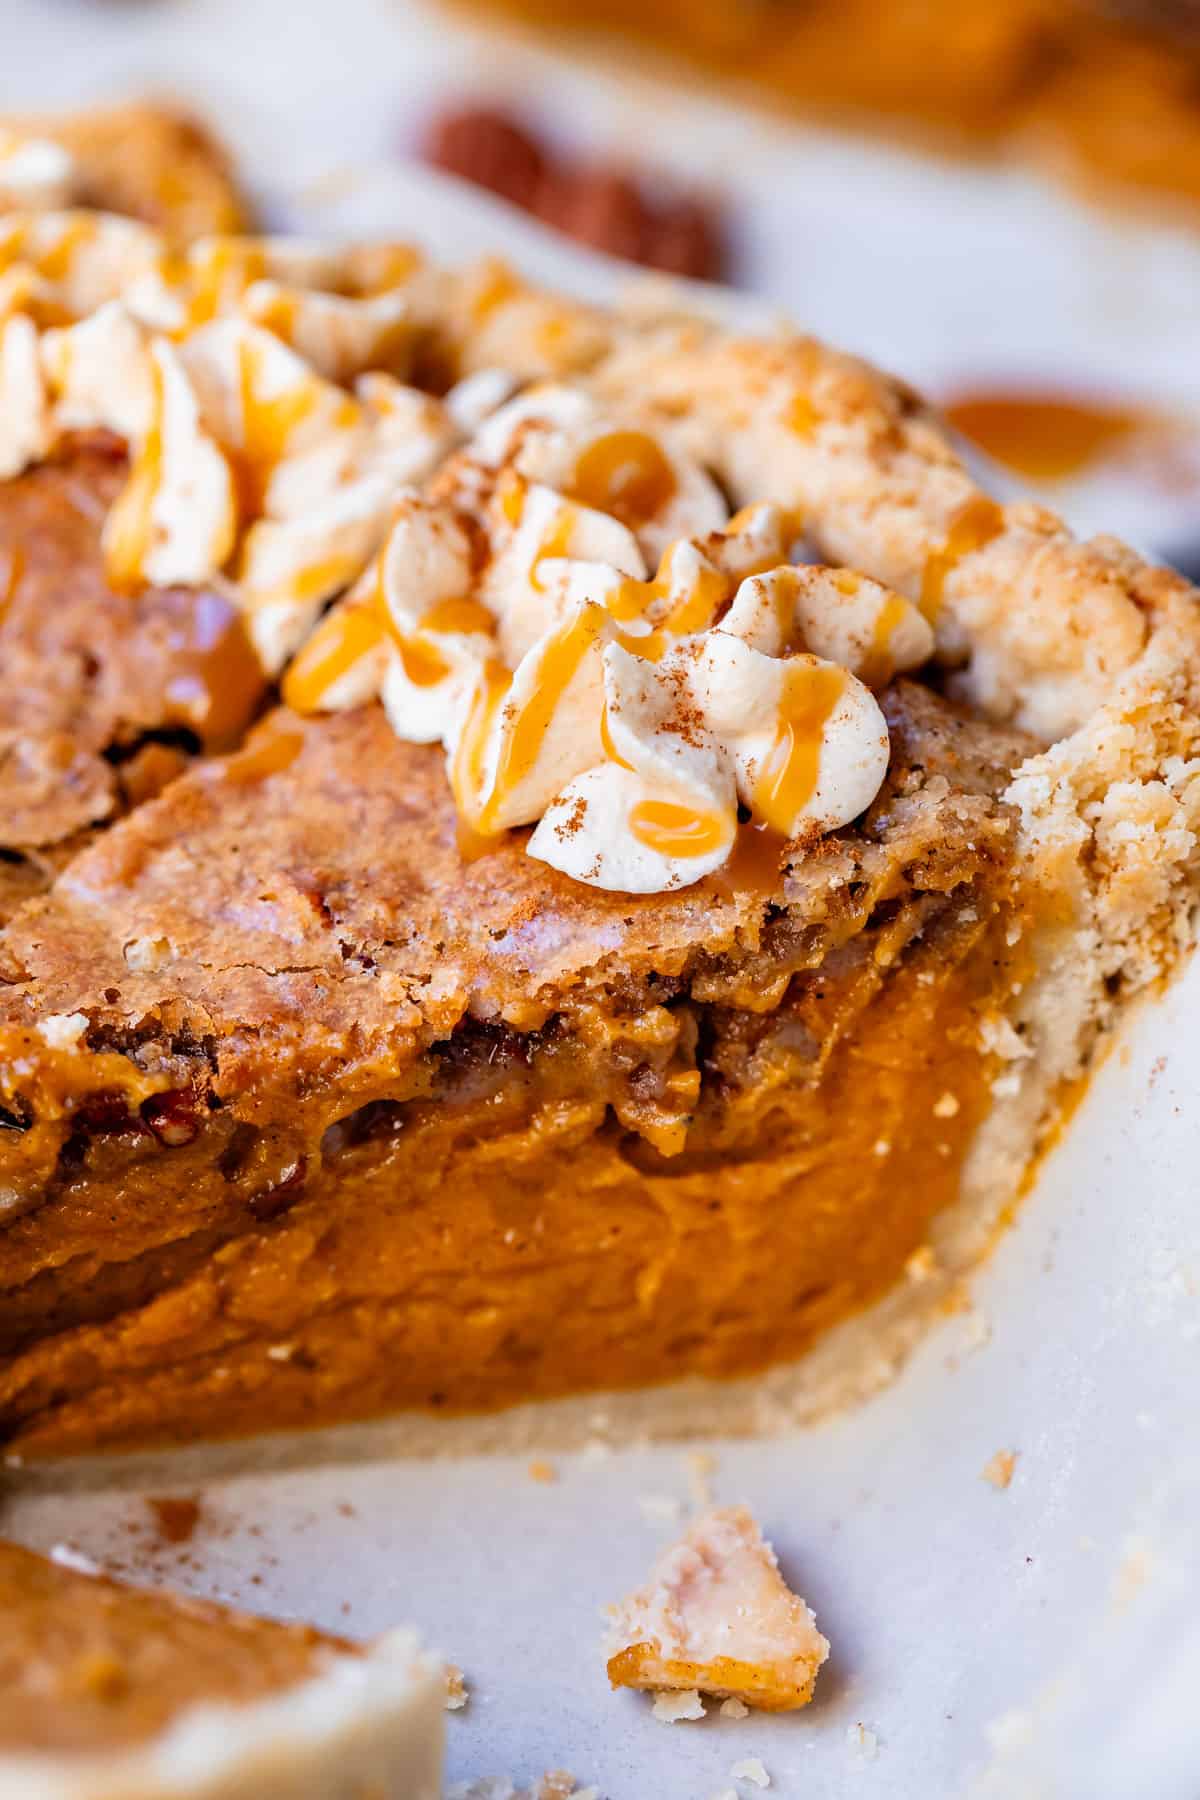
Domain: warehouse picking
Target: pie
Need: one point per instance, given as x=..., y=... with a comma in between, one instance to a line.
x=628, y=944
x=1105, y=94
x=716, y=1617
x=120, y=1693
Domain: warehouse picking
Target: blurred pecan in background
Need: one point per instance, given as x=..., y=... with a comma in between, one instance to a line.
x=602, y=204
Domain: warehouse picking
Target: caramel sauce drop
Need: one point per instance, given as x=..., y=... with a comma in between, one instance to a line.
x=424, y=665
x=556, y=543
x=878, y=668
x=343, y=636
x=606, y=742
x=788, y=777
x=466, y=773
x=268, y=754
x=754, y=864
x=1047, y=437
x=497, y=285
x=560, y=662
x=216, y=677
x=220, y=274
x=55, y=263
x=267, y=425
x=127, y=529
x=624, y=473
x=458, y=615
x=674, y=830
x=976, y=522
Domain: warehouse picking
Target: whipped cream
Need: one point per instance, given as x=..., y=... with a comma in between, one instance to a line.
x=626, y=715
x=269, y=432
x=35, y=172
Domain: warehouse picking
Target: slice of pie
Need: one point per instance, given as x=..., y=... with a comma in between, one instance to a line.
x=120, y=1693
x=703, y=844
x=717, y=1617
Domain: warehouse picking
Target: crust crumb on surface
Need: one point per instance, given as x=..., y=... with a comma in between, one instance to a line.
x=717, y=1617
x=457, y=1691
x=999, y=1468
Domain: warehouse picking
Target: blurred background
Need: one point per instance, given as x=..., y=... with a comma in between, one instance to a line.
x=999, y=199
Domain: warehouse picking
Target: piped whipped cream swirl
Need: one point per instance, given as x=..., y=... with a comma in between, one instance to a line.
x=608, y=657
x=35, y=172
x=255, y=382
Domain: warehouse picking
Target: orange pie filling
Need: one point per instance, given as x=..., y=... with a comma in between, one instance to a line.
x=630, y=1193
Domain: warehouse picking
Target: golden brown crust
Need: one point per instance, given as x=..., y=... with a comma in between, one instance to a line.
x=157, y=163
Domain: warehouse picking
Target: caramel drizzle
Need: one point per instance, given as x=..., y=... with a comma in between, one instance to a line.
x=528, y=724
x=274, y=751
x=267, y=427
x=466, y=771
x=976, y=522
x=678, y=831
x=342, y=639
x=878, y=666
x=129, y=526
x=625, y=474
x=55, y=263
x=790, y=770
x=220, y=275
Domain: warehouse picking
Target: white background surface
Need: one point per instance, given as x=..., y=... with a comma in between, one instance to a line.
x=1040, y=1641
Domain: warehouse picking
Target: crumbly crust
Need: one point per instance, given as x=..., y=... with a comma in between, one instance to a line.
x=157, y=163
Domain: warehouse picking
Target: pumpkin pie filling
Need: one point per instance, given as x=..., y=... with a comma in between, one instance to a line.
x=700, y=1155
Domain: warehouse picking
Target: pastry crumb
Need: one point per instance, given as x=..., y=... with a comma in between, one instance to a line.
x=751, y=1769
x=281, y=1352
x=556, y=1784
x=883, y=1147
x=946, y=1106
x=457, y=1691
x=862, y=1741
x=717, y=1617
x=733, y=1708
x=999, y=1468
x=700, y=1465
x=670, y=1708
x=540, y=1470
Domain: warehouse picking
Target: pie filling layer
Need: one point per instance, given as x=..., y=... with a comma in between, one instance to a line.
x=697, y=1172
